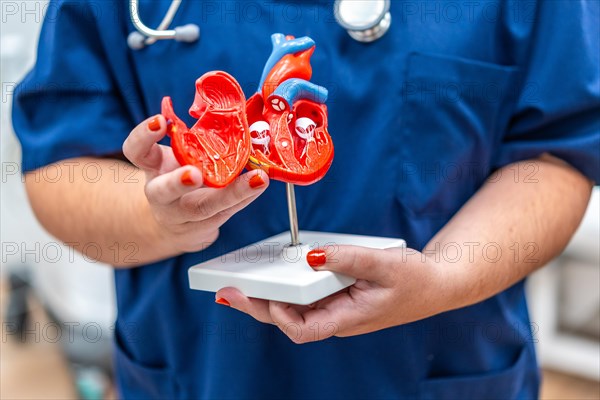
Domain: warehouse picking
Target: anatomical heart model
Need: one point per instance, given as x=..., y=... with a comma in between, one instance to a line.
x=282, y=129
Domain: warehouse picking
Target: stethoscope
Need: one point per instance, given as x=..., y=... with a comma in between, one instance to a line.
x=365, y=21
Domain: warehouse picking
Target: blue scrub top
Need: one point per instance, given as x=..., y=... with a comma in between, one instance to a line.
x=419, y=119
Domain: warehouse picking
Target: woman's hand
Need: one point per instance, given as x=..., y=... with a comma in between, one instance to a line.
x=188, y=215
x=393, y=287
x=398, y=286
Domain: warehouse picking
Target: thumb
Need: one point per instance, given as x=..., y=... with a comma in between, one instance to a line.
x=365, y=263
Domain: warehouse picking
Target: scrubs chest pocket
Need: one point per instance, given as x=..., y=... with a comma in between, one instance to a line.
x=454, y=114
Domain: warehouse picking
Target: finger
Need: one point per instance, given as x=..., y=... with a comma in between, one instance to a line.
x=223, y=216
x=256, y=308
x=309, y=325
x=167, y=188
x=373, y=265
x=216, y=221
x=141, y=146
x=203, y=205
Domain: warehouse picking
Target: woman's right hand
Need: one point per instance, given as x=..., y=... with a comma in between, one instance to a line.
x=188, y=215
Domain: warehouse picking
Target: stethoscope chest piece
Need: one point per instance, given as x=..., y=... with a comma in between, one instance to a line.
x=365, y=20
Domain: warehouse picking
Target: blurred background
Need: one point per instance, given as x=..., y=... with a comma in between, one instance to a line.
x=57, y=308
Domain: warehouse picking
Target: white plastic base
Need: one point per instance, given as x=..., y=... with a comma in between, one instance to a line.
x=272, y=269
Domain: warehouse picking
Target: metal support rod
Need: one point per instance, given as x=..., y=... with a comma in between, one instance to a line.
x=291, y=200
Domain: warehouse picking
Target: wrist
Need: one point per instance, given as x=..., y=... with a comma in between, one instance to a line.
x=447, y=290
x=155, y=236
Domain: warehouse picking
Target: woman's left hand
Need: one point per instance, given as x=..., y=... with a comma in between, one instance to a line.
x=393, y=287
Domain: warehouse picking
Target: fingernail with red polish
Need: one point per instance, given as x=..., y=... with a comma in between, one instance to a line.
x=256, y=181
x=154, y=124
x=186, y=178
x=316, y=258
x=222, y=301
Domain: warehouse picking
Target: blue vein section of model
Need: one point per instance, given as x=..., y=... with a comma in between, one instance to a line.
x=281, y=48
x=295, y=89
x=292, y=89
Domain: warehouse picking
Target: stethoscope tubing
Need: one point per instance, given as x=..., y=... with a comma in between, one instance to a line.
x=145, y=36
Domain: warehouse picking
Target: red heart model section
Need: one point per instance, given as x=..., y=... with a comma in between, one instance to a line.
x=219, y=142
x=282, y=129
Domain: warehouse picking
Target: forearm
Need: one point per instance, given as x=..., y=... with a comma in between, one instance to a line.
x=509, y=228
x=98, y=206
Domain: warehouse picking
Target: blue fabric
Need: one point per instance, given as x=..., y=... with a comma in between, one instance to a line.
x=419, y=119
